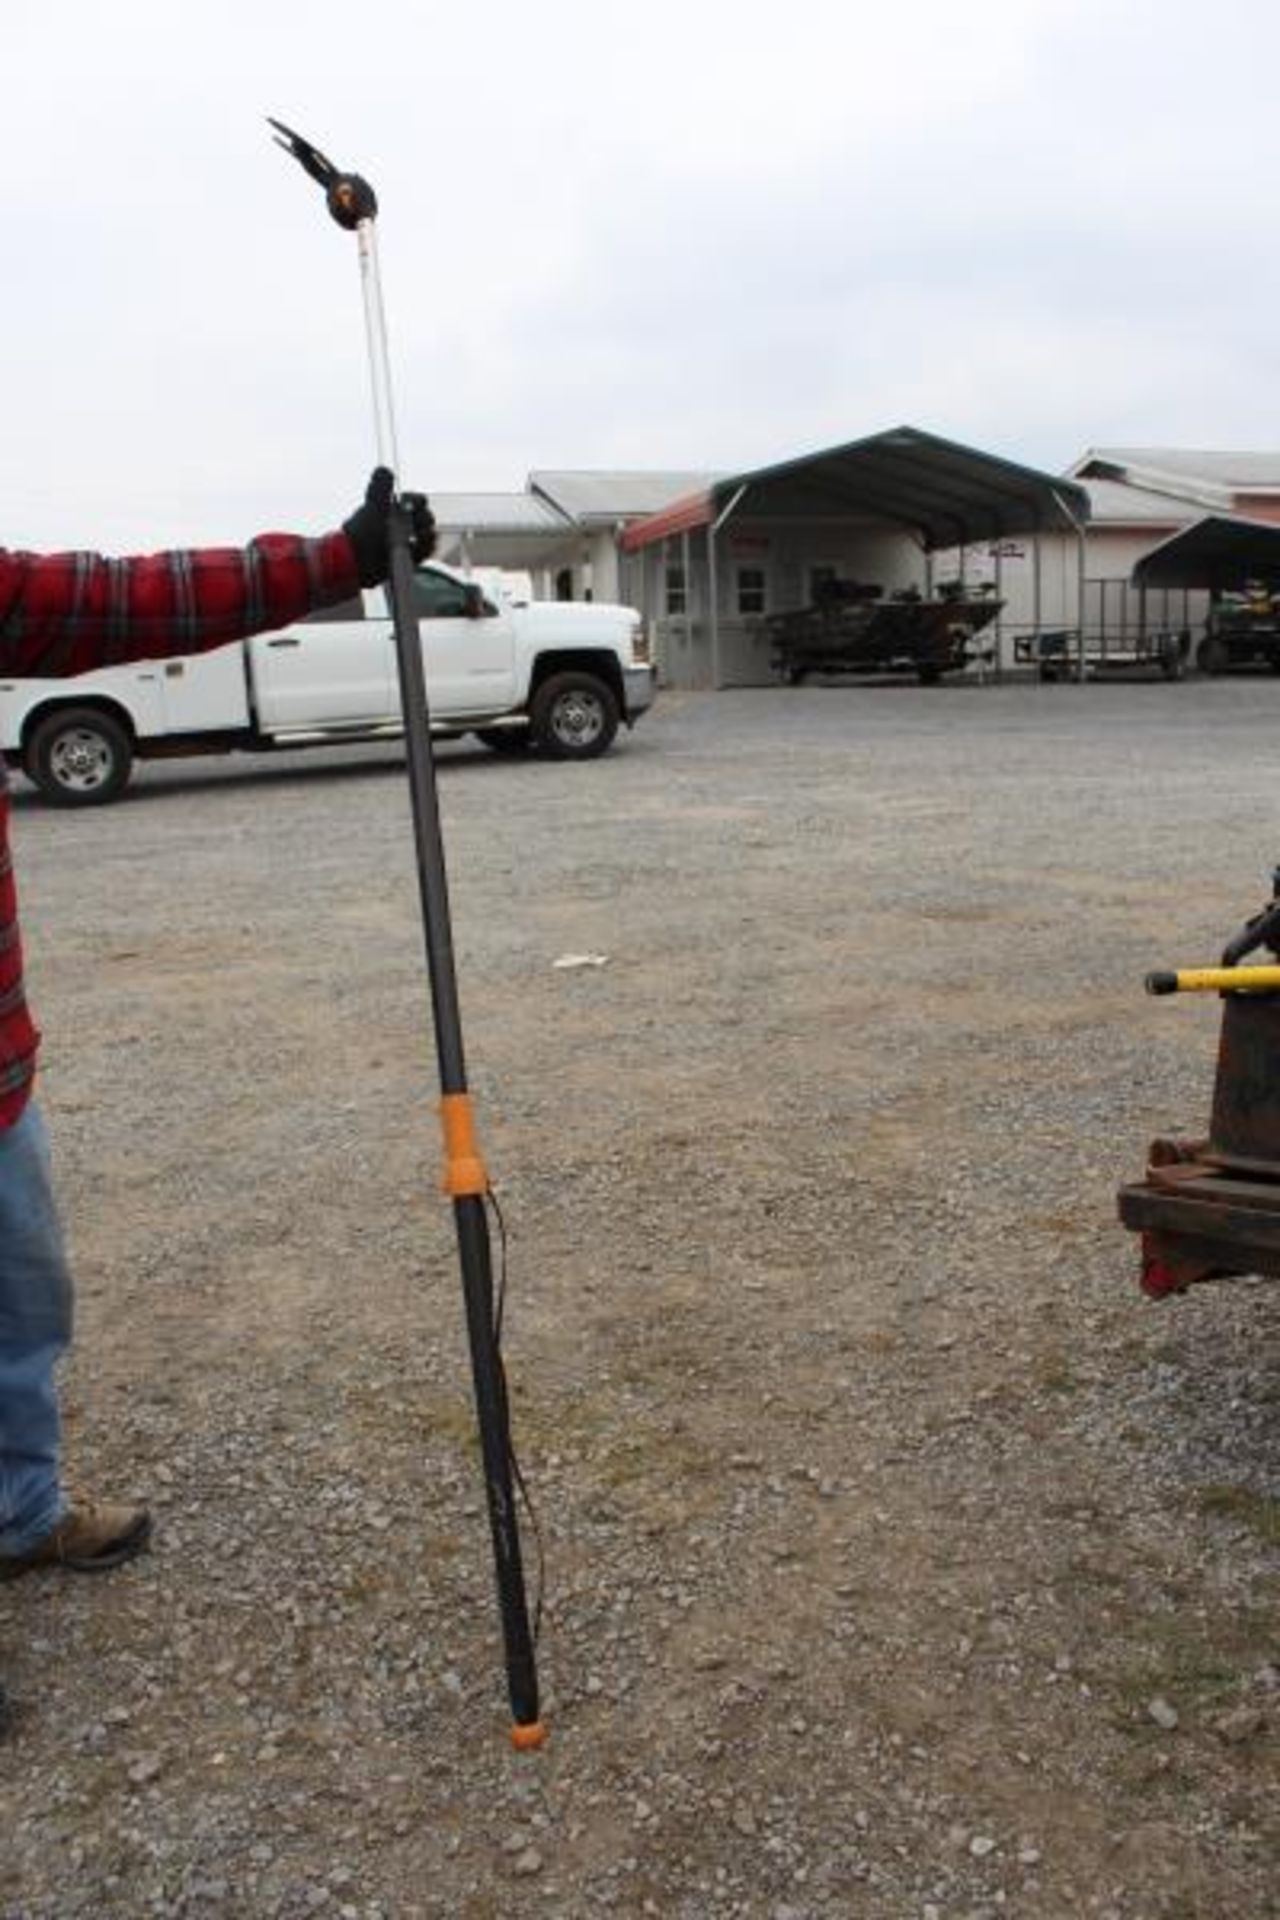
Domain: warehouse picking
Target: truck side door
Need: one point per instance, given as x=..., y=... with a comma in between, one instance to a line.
x=468, y=647
x=334, y=668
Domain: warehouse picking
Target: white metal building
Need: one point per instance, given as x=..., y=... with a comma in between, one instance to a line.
x=707, y=554
x=564, y=529
x=900, y=509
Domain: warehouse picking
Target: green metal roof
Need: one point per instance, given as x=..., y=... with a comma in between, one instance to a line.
x=1218, y=552
x=949, y=495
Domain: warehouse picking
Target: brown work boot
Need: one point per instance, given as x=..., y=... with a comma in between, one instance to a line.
x=89, y=1538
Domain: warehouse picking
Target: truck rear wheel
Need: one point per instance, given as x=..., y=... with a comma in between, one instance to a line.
x=79, y=757
x=574, y=716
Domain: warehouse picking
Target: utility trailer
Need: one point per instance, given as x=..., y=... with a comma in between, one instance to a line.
x=851, y=628
x=1059, y=654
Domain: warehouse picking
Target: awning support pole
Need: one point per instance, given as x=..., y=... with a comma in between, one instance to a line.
x=1081, y=566
x=687, y=576
x=713, y=597
x=1083, y=556
x=1037, y=610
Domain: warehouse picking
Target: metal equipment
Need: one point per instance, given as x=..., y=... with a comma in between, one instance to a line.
x=1209, y=1208
x=1242, y=629
x=849, y=628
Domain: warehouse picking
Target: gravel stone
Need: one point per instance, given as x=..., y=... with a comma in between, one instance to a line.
x=877, y=1502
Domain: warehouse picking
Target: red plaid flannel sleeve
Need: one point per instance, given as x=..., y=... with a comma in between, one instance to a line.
x=65, y=613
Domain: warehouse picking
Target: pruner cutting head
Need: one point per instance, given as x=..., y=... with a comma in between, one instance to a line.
x=349, y=198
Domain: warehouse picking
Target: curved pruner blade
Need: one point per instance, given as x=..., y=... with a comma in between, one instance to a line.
x=317, y=164
x=350, y=199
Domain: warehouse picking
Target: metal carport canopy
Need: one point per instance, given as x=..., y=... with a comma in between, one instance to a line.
x=949, y=495
x=1216, y=552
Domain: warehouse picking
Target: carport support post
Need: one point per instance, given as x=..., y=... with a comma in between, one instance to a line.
x=713, y=586
x=713, y=605
x=1082, y=551
x=1081, y=565
x=1037, y=615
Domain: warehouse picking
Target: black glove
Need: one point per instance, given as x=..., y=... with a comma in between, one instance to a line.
x=422, y=526
x=367, y=529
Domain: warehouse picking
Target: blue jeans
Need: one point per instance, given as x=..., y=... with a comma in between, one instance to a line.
x=35, y=1329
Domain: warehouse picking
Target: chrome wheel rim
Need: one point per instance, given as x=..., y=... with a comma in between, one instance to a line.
x=577, y=719
x=81, y=760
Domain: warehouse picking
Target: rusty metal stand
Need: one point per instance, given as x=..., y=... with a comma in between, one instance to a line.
x=1210, y=1209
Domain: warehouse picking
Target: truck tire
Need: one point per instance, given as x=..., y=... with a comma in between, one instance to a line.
x=508, y=740
x=574, y=716
x=79, y=757
x=1212, y=656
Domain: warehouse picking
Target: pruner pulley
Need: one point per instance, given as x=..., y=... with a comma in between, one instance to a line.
x=349, y=196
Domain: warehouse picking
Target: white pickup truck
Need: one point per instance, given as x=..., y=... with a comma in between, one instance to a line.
x=555, y=676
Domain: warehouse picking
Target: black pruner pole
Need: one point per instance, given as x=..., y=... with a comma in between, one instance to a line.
x=354, y=205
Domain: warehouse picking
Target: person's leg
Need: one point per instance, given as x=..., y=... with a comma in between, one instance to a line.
x=38, y=1526
x=35, y=1329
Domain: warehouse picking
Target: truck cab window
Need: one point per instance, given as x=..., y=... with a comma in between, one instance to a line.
x=436, y=596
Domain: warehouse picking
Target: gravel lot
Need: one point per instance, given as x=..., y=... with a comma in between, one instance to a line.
x=902, y=1559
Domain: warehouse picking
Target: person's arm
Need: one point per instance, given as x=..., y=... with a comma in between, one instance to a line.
x=65, y=613
x=69, y=612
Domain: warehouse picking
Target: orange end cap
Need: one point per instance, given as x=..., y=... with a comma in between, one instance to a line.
x=532, y=1734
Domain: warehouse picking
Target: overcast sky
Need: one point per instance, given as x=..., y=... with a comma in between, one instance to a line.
x=690, y=234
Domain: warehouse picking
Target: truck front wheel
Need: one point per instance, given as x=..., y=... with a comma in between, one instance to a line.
x=1212, y=655
x=79, y=757
x=573, y=716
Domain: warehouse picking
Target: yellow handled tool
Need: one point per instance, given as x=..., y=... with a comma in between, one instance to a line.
x=1216, y=980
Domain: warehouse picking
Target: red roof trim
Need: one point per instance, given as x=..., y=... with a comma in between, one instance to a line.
x=682, y=516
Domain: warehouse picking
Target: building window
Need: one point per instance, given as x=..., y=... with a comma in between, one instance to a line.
x=677, y=598
x=752, y=590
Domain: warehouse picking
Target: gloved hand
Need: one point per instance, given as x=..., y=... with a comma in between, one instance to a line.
x=368, y=533
x=422, y=526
